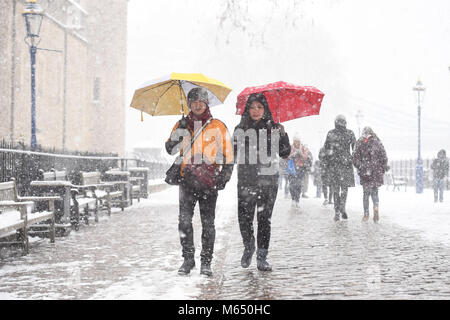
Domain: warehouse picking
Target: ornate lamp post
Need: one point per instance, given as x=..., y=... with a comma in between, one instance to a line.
x=419, y=88
x=33, y=15
x=359, y=117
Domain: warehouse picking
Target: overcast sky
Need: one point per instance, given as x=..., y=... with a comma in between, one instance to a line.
x=364, y=55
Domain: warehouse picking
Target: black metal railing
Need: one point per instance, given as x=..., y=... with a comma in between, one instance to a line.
x=19, y=162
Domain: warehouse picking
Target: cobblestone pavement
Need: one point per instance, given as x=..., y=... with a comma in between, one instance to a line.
x=135, y=254
x=314, y=257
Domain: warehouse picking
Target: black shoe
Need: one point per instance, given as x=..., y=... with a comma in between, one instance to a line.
x=344, y=215
x=263, y=265
x=336, y=217
x=246, y=259
x=186, y=267
x=205, y=270
x=261, y=262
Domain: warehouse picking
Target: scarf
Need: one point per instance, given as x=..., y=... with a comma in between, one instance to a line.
x=204, y=117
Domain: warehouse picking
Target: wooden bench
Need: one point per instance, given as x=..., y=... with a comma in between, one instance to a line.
x=104, y=192
x=75, y=205
x=121, y=180
x=396, y=181
x=140, y=175
x=17, y=215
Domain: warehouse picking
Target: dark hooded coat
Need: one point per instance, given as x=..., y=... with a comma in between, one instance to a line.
x=337, y=147
x=440, y=166
x=248, y=173
x=324, y=168
x=370, y=160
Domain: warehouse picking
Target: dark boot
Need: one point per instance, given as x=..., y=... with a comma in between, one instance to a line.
x=262, y=263
x=344, y=215
x=336, y=216
x=246, y=259
x=187, y=266
x=205, y=269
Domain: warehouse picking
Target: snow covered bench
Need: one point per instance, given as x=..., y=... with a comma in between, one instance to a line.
x=75, y=204
x=396, y=181
x=104, y=192
x=140, y=175
x=17, y=215
x=121, y=180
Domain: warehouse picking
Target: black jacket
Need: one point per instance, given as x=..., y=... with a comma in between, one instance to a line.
x=440, y=167
x=262, y=172
x=338, y=146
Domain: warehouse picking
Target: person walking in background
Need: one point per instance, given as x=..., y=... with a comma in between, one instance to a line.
x=305, y=181
x=286, y=178
x=282, y=163
x=257, y=180
x=317, y=178
x=200, y=181
x=338, y=143
x=299, y=162
x=325, y=177
x=370, y=160
x=440, y=167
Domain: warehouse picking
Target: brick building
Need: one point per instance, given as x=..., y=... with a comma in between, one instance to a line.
x=80, y=87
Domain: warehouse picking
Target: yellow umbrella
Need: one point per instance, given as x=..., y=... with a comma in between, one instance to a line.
x=167, y=95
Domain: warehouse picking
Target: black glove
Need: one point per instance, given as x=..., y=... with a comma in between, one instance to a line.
x=221, y=185
x=224, y=176
x=173, y=147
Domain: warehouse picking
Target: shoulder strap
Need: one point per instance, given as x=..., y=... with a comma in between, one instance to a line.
x=196, y=135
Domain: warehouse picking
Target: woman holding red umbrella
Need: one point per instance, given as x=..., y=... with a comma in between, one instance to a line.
x=257, y=142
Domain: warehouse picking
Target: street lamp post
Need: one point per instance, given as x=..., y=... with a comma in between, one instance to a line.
x=359, y=116
x=419, y=88
x=33, y=15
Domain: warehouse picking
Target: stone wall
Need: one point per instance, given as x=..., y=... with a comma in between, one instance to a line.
x=90, y=39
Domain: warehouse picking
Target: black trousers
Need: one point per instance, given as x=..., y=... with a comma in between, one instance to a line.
x=340, y=198
x=207, y=203
x=327, y=194
x=295, y=184
x=261, y=198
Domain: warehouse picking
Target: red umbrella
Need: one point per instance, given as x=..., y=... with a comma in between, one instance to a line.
x=286, y=101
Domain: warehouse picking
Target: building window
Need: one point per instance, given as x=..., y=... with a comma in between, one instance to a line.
x=96, y=89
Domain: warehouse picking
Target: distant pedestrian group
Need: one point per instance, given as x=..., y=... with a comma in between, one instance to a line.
x=267, y=161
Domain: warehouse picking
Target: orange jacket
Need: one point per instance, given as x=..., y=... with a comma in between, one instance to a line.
x=215, y=141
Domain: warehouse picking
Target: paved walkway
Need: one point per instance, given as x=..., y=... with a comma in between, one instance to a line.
x=135, y=254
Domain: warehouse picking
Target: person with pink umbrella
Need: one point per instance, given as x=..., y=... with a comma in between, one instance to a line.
x=257, y=141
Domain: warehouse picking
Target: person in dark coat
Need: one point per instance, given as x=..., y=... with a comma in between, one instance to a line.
x=325, y=177
x=317, y=178
x=214, y=140
x=440, y=167
x=257, y=141
x=284, y=176
x=371, y=161
x=338, y=143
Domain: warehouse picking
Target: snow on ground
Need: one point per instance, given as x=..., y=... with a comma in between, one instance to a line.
x=161, y=281
x=408, y=209
x=151, y=274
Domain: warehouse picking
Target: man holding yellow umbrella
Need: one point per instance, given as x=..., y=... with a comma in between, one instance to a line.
x=205, y=148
